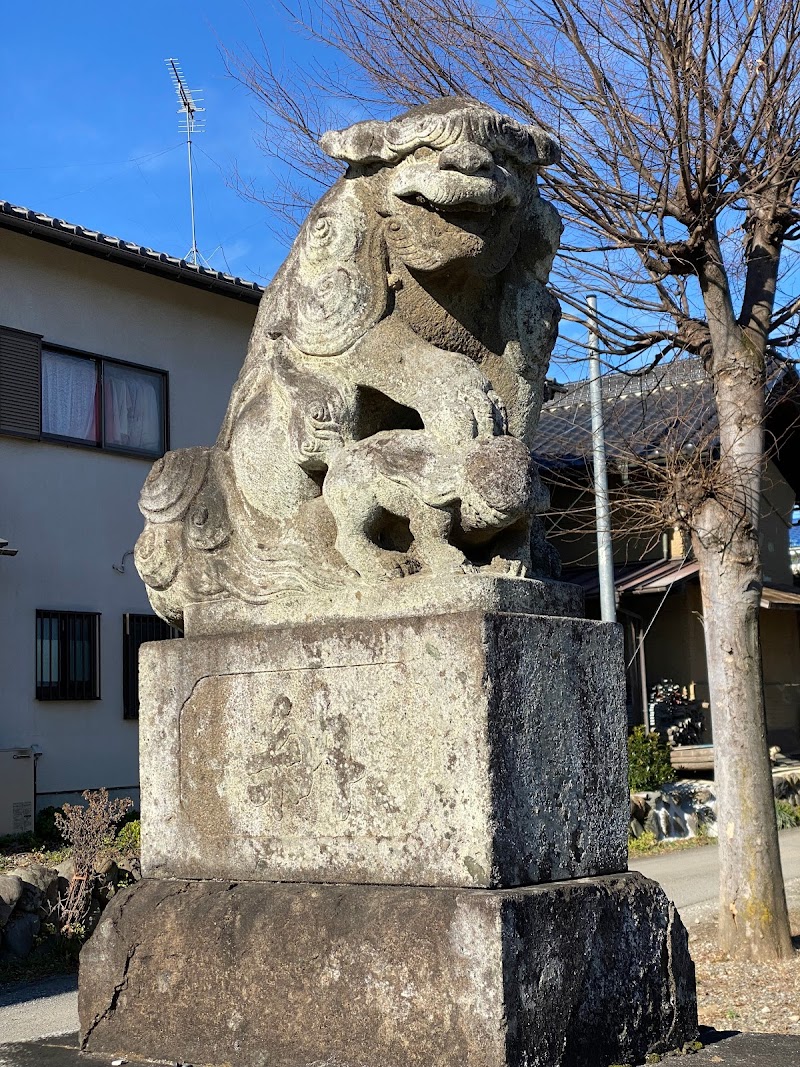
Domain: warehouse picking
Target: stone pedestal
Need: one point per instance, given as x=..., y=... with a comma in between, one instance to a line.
x=580, y=973
x=388, y=842
x=463, y=749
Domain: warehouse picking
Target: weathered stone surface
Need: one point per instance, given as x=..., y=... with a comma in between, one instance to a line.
x=19, y=933
x=461, y=750
x=415, y=595
x=578, y=974
x=382, y=422
x=38, y=886
x=11, y=888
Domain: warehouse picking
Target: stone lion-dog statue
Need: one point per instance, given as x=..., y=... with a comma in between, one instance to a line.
x=382, y=421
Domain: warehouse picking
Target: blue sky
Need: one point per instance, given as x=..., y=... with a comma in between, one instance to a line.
x=90, y=129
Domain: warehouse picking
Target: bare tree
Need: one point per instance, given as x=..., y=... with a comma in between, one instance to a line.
x=680, y=127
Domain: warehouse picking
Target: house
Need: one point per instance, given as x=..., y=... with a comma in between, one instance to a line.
x=110, y=354
x=649, y=419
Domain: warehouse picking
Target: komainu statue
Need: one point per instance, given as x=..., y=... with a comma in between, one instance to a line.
x=382, y=420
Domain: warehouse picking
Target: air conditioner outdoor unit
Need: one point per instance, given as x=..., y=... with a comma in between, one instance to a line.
x=16, y=790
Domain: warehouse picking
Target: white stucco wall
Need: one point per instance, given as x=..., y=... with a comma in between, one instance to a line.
x=72, y=511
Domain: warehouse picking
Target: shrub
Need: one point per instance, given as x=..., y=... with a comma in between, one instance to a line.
x=128, y=838
x=648, y=761
x=786, y=814
x=90, y=831
x=45, y=826
x=642, y=844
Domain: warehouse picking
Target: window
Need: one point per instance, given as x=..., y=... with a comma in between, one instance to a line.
x=67, y=655
x=103, y=403
x=56, y=393
x=136, y=629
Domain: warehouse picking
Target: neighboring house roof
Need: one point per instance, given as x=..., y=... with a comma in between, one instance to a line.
x=667, y=409
x=658, y=576
x=126, y=253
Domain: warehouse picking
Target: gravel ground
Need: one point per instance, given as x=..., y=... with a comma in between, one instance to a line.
x=758, y=997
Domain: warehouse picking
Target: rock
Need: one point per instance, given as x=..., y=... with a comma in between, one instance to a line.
x=549, y=976
x=40, y=887
x=654, y=824
x=130, y=869
x=20, y=933
x=639, y=807
x=635, y=828
x=66, y=869
x=11, y=889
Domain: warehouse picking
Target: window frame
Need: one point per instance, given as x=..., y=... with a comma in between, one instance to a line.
x=67, y=688
x=100, y=445
x=130, y=658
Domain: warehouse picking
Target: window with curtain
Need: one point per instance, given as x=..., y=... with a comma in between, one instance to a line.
x=102, y=402
x=133, y=408
x=70, y=396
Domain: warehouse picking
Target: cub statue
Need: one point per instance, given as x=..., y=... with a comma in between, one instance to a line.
x=382, y=421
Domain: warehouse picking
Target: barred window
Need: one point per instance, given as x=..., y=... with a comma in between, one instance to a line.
x=67, y=655
x=136, y=629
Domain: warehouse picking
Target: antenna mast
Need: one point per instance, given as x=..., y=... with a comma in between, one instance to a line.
x=189, y=124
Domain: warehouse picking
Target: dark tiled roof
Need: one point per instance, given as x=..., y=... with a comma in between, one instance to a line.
x=128, y=253
x=668, y=409
x=658, y=576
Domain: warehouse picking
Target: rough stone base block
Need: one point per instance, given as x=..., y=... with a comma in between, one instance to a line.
x=573, y=974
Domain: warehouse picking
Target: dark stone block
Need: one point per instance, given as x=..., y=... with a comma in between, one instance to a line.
x=572, y=974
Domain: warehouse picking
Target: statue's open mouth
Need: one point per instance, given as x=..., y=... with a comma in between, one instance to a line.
x=455, y=195
x=464, y=207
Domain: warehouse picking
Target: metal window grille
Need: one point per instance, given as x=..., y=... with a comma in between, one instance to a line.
x=136, y=629
x=67, y=655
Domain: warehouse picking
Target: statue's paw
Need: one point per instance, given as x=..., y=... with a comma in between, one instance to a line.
x=388, y=566
x=511, y=568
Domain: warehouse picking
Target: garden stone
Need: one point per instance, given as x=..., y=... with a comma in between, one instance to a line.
x=20, y=932
x=11, y=888
x=654, y=824
x=638, y=807
x=6, y=911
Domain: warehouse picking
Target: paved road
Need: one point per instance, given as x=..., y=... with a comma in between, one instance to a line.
x=39, y=1009
x=692, y=877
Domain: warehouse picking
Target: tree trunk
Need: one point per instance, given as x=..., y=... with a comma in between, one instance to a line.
x=753, y=922
x=753, y=919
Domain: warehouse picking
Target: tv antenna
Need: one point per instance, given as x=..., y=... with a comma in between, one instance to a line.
x=189, y=100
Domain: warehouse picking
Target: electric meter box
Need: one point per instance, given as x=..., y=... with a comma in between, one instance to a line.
x=16, y=790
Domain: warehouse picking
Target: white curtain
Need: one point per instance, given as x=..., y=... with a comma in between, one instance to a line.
x=132, y=408
x=69, y=396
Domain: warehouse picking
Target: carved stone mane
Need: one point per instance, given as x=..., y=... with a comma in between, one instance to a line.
x=381, y=422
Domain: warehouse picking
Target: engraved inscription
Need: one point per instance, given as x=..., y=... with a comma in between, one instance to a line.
x=284, y=769
x=274, y=754
x=286, y=759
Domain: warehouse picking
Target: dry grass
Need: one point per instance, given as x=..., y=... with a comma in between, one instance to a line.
x=759, y=997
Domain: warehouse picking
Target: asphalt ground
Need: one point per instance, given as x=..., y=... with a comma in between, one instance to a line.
x=727, y=1049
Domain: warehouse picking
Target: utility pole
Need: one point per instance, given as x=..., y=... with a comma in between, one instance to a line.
x=605, y=555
